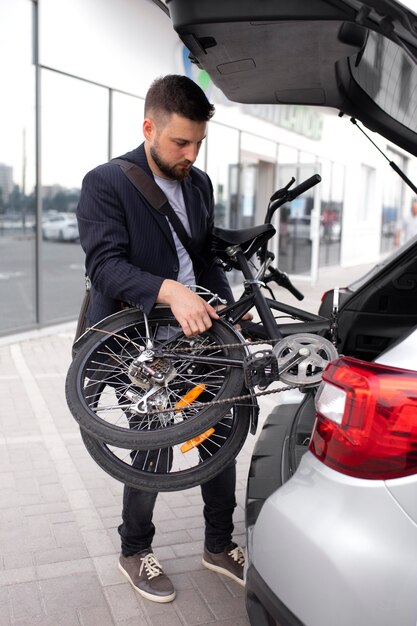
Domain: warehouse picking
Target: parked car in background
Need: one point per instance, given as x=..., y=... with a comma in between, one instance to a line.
x=60, y=227
x=331, y=499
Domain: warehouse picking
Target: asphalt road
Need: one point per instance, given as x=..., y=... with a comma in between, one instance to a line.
x=62, y=280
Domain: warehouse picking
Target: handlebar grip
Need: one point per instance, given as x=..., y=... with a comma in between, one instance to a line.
x=282, y=279
x=295, y=292
x=304, y=186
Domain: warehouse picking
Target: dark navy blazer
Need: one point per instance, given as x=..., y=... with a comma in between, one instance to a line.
x=129, y=245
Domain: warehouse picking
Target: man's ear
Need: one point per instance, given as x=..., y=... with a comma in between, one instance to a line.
x=148, y=128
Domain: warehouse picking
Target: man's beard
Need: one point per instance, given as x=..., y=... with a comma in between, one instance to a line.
x=170, y=172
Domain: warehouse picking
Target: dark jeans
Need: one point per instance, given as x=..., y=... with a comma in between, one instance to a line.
x=137, y=529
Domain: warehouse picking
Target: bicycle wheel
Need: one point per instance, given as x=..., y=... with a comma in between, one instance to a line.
x=178, y=467
x=112, y=399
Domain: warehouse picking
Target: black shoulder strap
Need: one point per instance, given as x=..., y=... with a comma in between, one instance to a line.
x=148, y=188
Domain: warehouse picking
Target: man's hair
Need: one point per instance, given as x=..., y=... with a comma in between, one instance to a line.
x=178, y=94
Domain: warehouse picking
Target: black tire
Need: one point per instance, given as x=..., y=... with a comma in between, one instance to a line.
x=209, y=458
x=98, y=385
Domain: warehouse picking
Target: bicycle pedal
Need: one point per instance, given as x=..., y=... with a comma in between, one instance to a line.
x=260, y=369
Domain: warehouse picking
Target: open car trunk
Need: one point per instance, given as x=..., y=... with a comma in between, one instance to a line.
x=351, y=55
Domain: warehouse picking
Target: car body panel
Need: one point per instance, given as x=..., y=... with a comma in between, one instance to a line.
x=349, y=549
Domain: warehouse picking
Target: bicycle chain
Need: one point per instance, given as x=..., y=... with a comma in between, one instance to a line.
x=233, y=400
x=211, y=346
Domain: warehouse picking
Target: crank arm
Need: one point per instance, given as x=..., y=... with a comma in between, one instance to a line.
x=293, y=359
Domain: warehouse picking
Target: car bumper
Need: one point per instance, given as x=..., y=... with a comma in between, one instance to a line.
x=263, y=606
x=335, y=550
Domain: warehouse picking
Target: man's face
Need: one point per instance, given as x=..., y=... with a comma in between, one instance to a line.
x=174, y=143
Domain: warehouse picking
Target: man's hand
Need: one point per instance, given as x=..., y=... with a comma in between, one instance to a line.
x=193, y=313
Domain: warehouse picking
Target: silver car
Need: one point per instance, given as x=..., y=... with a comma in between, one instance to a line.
x=337, y=543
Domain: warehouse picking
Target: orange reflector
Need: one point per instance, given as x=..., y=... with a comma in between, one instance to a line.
x=195, y=441
x=190, y=396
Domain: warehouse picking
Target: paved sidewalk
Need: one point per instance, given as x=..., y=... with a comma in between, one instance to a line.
x=59, y=511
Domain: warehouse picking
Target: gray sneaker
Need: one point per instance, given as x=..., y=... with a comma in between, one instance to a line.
x=145, y=573
x=230, y=562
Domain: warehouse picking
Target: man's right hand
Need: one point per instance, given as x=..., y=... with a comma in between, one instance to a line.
x=191, y=311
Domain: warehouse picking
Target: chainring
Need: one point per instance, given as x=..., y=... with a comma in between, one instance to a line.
x=302, y=358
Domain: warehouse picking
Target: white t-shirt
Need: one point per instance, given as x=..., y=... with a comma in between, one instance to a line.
x=173, y=191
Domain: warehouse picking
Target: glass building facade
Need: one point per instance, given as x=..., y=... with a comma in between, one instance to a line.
x=75, y=99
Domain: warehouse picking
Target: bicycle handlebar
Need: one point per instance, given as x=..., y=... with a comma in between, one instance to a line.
x=302, y=187
x=282, y=192
x=286, y=194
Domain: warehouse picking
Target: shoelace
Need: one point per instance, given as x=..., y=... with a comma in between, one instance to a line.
x=238, y=555
x=152, y=566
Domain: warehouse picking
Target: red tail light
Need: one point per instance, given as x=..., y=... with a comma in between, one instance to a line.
x=366, y=422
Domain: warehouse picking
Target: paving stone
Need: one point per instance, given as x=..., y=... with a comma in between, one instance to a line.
x=60, y=618
x=71, y=592
x=96, y=616
x=193, y=609
x=153, y=610
x=17, y=560
x=170, y=539
x=58, y=518
x=25, y=601
x=107, y=569
x=38, y=526
x=88, y=519
x=164, y=553
x=166, y=619
x=42, y=508
x=73, y=568
x=67, y=534
x=184, y=564
x=179, y=524
x=57, y=555
x=98, y=542
x=189, y=548
x=17, y=576
x=5, y=616
x=102, y=497
x=232, y=608
x=211, y=586
x=111, y=522
x=189, y=511
x=123, y=602
x=182, y=581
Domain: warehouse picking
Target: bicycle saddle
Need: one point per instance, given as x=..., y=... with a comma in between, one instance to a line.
x=249, y=239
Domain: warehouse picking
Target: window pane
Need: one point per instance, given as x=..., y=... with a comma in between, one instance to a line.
x=74, y=140
x=332, y=190
x=127, y=120
x=17, y=168
x=123, y=44
x=222, y=167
